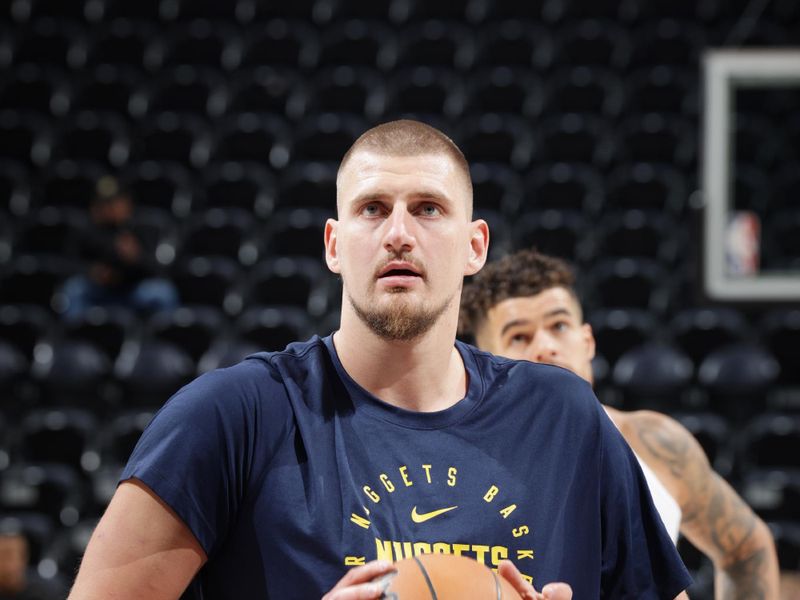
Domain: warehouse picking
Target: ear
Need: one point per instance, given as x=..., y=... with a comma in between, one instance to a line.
x=331, y=251
x=588, y=340
x=478, y=246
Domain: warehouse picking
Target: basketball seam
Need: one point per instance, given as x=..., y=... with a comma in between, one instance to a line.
x=427, y=578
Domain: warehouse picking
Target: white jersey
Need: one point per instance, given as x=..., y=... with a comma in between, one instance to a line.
x=668, y=508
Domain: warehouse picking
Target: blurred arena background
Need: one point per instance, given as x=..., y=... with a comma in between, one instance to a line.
x=582, y=121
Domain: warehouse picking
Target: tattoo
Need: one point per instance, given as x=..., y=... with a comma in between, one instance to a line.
x=744, y=579
x=667, y=449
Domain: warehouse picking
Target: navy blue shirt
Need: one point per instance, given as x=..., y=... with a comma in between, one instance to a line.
x=288, y=472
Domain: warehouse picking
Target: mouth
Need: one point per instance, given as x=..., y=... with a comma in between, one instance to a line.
x=399, y=269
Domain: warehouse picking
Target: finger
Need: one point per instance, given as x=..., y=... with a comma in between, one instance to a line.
x=557, y=591
x=362, y=591
x=509, y=571
x=366, y=572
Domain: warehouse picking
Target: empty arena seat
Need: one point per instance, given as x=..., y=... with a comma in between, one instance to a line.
x=276, y=43
x=272, y=328
x=647, y=234
x=656, y=138
x=423, y=90
x=72, y=372
x=93, y=136
x=564, y=186
x=574, y=138
x=150, y=372
x=496, y=138
x=69, y=184
x=13, y=367
x=781, y=333
x=160, y=185
x=182, y=89
x=342, y=89
x=104, y=89
x=598, y=42
x=180, y=139
x=771, y=441
x=263, y=89
x=667, y=42
x=48, y=41
x=504, y=89
x=50, y=231
x=199, y=43
x=29, y=279
x=630, y=282
x=435, y=43
x=773, y=493
x=56, y=435
x=31, y=88
x=583, y=89
x=15, y=189
x=297, y=232
x=619, y=330
x=326, y=137
x=653, y=375
x=295, y=281
x=647, y=186
x=496, y=187
x=250, y=137
x=192, y=329
x=358, y=42
x=24, y=137
x=514, y=43
x=556, y=232
x=699, y=331
x=662, y=89
x=227, y=352
x=120, y=43
x=246, y=187
x=308, y=185
x=225, y=232
x=106, y=328
x=23, y=326
x=204, y=281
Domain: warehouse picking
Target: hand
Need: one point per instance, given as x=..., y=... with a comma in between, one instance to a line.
x=552, y=591
x=357, y=583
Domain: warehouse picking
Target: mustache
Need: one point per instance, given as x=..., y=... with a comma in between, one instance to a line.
x=402, y=257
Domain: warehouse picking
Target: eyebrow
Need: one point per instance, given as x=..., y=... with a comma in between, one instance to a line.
x=517, y=322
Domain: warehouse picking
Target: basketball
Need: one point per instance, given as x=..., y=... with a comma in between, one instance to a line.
x=445, y=577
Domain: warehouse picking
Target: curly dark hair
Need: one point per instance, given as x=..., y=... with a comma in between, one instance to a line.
x=523, y=273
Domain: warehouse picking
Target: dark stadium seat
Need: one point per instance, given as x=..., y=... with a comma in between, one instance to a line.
x=120, y=43
x=192, y=329
x=93, y=136
x=560, y=11
x=72, y=372
x=514, y=43
x=629, y=283
x=50, y=231
x=358, y=43
x=574, y=138
x=771, y=441
x=145, y=10
x=699, y=331
x=48, y=42
x=180, y=139
x=662, y=89
x=25, y=138
x=303, y=10
x=774, y=494
x=263, y=89
x=619, y=330
x=656, y=138
x=296, y=281
x=423, y=90
x=220, y=232
x=496, y=138
x=597, y=42
x=500, y=231
x=472, y=11
x=781, y=333
x=15, y=189
x=647, y=186
x=646, y=234
x=56, y=435
x=29, y=279
x=32, y=88
x=435, y=43
x=564, y=186
x=64, y=553
x=272, y=328
x=342, y=89
x=199, y=43
x=504, y=89
x=203, y=281
x=276, y=43
x=13, y=368
x=584, y=89
x=69, y=184
x=226, y=352
x=667, y=42
x=184, y=90
x=297, y=232
x=255, y=138
x=23, y=326
x=496, y=187
x=106, y=328
x=308, y=185
x=333, y=11
x=106, y=88
x=556, y=232
x=149, y=373
x=652, y=375
x=225, y=12
x=787, y=544
x=326, y=137
x=245, y=187
x=161, y=185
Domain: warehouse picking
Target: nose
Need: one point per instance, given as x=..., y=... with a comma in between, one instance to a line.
x=399, y=236
x=543, y=348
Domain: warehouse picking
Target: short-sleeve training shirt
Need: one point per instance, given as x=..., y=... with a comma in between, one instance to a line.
x=288, y=473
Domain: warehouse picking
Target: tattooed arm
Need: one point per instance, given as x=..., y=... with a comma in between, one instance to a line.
x=715, y=519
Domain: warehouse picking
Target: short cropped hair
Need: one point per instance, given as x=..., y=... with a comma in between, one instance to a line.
x=406, y=137
x=521, y=274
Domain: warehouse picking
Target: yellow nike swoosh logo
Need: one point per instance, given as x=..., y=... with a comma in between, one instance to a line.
x=421, y=518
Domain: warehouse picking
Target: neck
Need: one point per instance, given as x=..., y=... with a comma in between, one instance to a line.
x=425, y=374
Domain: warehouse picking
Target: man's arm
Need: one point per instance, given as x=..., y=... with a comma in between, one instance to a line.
x=140, y=549
x=715, y=519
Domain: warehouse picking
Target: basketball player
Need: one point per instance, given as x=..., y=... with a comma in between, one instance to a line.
x=524, y=306
x=386, y=439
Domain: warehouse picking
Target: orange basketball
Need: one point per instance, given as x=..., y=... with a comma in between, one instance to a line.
x=445, y=577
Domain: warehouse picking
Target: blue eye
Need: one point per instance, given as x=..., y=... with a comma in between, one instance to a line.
x=430, y=210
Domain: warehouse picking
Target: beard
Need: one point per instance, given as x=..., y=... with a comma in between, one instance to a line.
x=400, y=322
